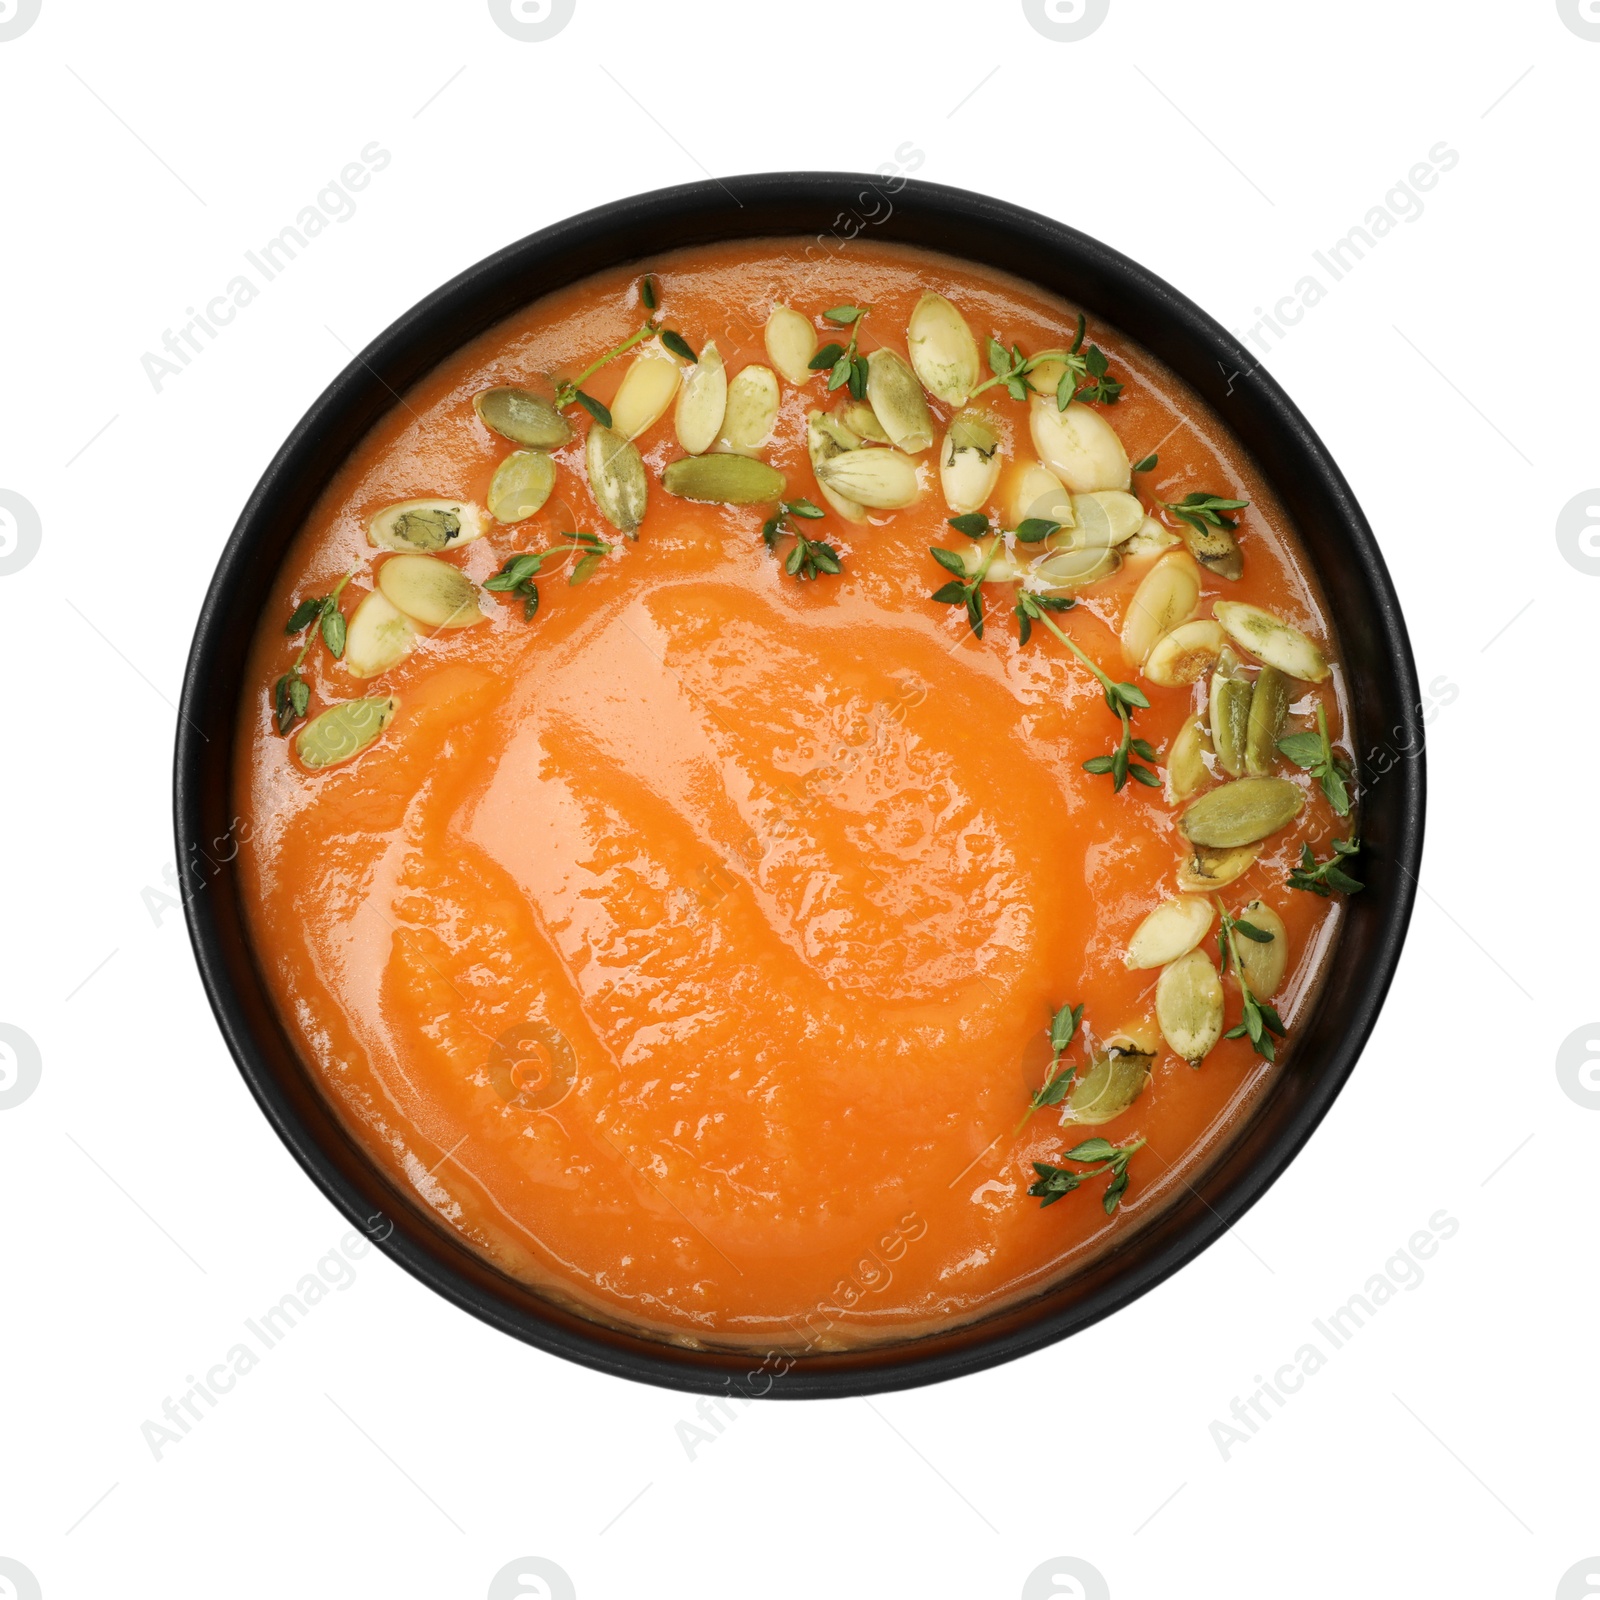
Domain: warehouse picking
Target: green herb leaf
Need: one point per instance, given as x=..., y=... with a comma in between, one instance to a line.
x=802, y=508
x=585, y=567
x=303, y=615
x=1325, y=877
x=1147, y=464
x=973, y=523
x=1313, y=752
x=950, y=561
x=647, y=292
x=1064, y=1027
x=333, y=631
x=952, y=594
x=845, y=315
x=594, y=408
x=678, y=345
x=825, y=357
x=1031, y=530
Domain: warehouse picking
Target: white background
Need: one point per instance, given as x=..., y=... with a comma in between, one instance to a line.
x=393, y=1445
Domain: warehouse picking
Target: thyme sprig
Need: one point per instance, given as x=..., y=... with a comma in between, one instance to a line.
x=1054, y=1182
x=291, y=694
x=1063, y=1030
x=1201, y=511
x=1084, y=371
x=572, y=391
x=843, y=363
x=1260, y=1021
x=1314, y=753
x=516, y=576
x=1323, y=877
x=810, y=557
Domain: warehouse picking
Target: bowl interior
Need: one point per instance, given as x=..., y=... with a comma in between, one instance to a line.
x=826, y=211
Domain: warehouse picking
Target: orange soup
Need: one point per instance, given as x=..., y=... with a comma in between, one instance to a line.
x=680, y=871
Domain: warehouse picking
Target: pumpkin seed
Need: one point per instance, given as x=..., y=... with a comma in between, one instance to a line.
x=1152, y=538
x=827, y=437
x=1187, y=772
x=1079, y=446
x=752, y=409
x=1112, y=1081
x=521, y=484
x=1269, y=705
x=417, y=526
x=1264, y=964
x=430, y=591
x=882, y=479
x=897, y=401
x=791, y=343
x=648, y=387
x=860, y=418
x=1166, y=595
x=1215, y=549
x=1003, y=569
x=1173, y=929
x=1189, y=1006
x=1230, y=716
x=1242, y=812
x=1185, y=654
x=1203, y=870
x=725, y=479
x=1075, y=569
x=943, y=351
x=1269, y=639
x=525, y=418
x=379, y=635
x=1046, y=377
x=1107, y=517
x=702, y=401
x=1038, y=492
x=344, y=730
x=969, y=462
x=616, y=479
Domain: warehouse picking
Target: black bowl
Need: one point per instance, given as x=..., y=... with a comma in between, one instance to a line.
x=828, y=209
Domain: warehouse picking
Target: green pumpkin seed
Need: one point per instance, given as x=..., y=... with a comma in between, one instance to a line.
x=1203, y=870
x=860, y=418
x=1230, y=719
x=1272, y=640
x=827, y=437
x=1242, y=812
x=882, y=479
x=1269, y=705
x=430, y=591
x=521, y=485
x=616, y=479
x=898, y=403
x=1215, y=549
x=1112, y=1081
x=515, y=414
x=379, y=635
x=1079, y=446
x=343, y=731
x=969, y=462
x=751, y=411
x=724, y=479
x=1189, y=1006
x=419, y=526
x=943, y=352
x=1187, y=772
x=1173, y=929
x=791, y=343
x=1264, y=963
x=702, y=402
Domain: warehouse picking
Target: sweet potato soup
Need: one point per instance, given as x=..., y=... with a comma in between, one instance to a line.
x=789, y=802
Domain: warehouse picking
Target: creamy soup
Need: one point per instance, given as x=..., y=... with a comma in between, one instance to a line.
x=788, y=804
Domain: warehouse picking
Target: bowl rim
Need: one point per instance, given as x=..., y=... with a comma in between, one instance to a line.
x=608, y=235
